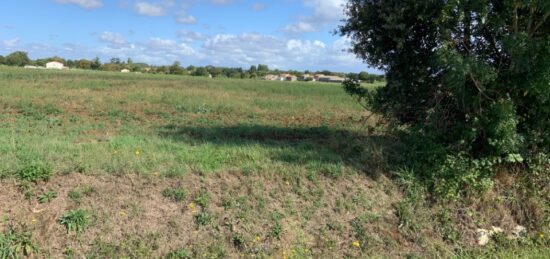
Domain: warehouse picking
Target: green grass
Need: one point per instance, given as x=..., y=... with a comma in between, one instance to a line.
x=109, y=123
x=188, y=167
x=15, y=243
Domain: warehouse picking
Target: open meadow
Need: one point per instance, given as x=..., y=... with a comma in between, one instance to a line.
x=110, y=165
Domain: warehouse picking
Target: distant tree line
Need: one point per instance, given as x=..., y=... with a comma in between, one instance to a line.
x=20, y=58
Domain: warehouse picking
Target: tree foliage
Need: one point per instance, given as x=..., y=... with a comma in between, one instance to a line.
x=17, y=58
x=476, y=73
x=468, y=79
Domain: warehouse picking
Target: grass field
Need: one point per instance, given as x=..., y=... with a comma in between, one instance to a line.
x=106, y=165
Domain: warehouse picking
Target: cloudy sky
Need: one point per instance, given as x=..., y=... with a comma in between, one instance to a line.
x=284, y=34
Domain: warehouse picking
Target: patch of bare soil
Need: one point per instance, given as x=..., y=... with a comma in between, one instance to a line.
x=133, y=206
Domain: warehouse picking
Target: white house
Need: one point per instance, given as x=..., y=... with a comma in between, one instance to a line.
x=55, y=65
x=125, y=71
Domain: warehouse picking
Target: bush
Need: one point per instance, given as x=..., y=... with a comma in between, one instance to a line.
x=468, y=77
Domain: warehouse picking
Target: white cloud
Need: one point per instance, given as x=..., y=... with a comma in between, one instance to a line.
x=149, y=9
x=299, y=27
x=169, y=47
x=240, y=50
x=232, y=50
x=184, y=18
x=249, y=48
x=324, y=12
x=88, y=4
x=112, y=38
x=11, y=43
x=191, y=36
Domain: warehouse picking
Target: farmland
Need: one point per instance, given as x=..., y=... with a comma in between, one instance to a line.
x=106, y=165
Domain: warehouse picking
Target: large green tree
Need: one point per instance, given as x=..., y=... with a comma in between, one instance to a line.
x=17, y=58
x=176, y=68
x=472, y=74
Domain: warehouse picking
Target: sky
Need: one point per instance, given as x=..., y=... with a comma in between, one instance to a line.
x=284, y=34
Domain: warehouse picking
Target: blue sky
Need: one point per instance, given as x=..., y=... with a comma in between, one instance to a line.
x=284, y=34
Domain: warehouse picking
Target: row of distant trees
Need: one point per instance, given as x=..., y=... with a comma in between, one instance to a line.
x=20, y=58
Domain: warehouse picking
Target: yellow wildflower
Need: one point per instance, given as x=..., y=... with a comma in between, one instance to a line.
x=541, y=235
x=356, y=244
x=192, y=207
x=137, y=152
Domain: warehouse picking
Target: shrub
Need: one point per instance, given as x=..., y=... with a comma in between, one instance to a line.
x=470, y=77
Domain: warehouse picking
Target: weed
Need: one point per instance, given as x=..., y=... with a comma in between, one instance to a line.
x=203, y=198
x=174, y=194
x=50, y=109
x=238, y=241
x=14, y=243
x=77, y=194
x=276, y=231
x=179, y=254
x=203, y=109
x=75, y=220
x=358, y=227
x=47, y=196
x=69, y=253
x=203, y=218
x=175, y=171
x=131, y=246
x=35, y=171
x=445, y=227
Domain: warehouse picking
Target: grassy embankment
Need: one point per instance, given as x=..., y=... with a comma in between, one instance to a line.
x=108, y=165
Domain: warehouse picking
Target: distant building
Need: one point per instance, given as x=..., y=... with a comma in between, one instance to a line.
x=55, y=65
x=331, y=79
x=281, y=77
x=317, y=76
x=287, y=77
x=306, y=77
x=270, y=77
x=125, y=71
